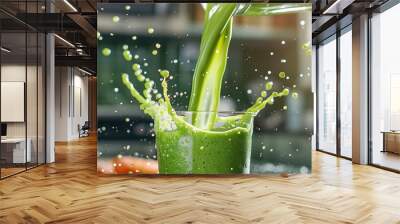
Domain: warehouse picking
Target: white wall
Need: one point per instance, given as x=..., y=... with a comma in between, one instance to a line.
x=71, y=94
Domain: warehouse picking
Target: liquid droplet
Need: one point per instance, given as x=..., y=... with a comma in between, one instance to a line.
x=269, y=85
x=150, y=30
x=106, y=51
x=115, y=19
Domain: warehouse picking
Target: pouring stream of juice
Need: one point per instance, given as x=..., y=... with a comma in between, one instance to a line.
x=210, y=67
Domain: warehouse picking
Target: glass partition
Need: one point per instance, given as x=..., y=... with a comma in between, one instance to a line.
x=14, y=153
x=31, y=97
x=22, y=77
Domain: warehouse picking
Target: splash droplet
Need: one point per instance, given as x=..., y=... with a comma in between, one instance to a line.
x=115, y=19
x=285, y=92
x=106, y=51
x=158, y=45
x=154, y=52
x=269, y=85
x=150, y=30
x=263, y=93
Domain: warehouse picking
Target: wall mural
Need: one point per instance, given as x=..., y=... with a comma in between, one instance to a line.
x=220, y=88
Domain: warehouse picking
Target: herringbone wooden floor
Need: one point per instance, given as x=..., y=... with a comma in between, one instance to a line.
x=70, y=191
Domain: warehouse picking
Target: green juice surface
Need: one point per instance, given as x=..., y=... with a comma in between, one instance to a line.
x=185, y=150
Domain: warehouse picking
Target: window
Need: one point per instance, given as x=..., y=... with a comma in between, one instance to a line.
x=327, y=96
x=385, y=89
x=346, y=93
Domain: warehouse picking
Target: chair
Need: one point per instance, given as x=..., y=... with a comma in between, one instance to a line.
x=84, y=130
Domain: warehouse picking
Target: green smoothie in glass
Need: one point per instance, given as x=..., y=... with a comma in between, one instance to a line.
x=203, y=140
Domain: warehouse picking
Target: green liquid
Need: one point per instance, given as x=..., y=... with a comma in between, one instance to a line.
x=205, y=143
x=187, y=150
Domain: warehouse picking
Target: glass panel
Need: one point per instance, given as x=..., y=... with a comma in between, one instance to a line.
x=13, y=86
x=31, y=97
x=31, y=86
x=327, y=97
x=385, y=84
x=346, y=94
x=41, y=98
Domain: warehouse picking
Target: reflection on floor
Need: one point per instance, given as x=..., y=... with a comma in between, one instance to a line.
x=387, y=159
x=10, y=171
x=70, y=191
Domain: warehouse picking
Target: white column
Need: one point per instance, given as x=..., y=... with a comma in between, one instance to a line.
x=50, y=98
x=50, y=92
x=360, y=90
